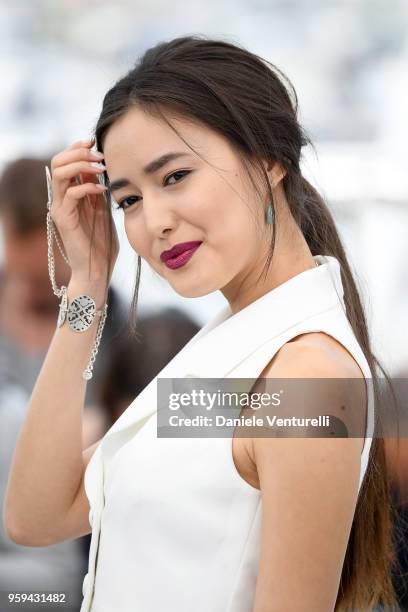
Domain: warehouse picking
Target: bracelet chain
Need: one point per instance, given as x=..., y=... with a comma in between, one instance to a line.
x=61, y=292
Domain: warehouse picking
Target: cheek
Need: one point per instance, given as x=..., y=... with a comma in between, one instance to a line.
x=135, y=236
x=233, y=225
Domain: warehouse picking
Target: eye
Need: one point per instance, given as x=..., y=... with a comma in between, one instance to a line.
x=124, y=203
x=182, y=172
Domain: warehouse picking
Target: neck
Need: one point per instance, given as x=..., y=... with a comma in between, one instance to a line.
x=291, y=257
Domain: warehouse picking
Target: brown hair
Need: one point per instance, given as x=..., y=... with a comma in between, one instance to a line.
x=252, y=104
x=23, y=194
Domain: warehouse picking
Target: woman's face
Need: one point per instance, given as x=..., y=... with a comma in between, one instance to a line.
x=185, y=200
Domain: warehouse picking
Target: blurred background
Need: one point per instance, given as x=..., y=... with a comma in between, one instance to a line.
x=348, y=61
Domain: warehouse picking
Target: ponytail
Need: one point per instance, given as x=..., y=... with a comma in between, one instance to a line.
x=366, y=576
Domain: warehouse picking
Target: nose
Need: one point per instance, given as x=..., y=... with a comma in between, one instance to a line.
x=159, y=217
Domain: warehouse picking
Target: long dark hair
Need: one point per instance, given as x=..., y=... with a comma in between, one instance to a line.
x=252, y=104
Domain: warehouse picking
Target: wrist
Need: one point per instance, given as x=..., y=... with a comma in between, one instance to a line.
x=95, y=290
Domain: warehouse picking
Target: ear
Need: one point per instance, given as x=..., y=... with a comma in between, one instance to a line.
x=276, y=172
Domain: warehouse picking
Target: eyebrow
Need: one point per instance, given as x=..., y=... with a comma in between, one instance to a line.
x=151, y=168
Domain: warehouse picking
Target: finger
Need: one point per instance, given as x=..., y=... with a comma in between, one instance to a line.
x=72, y=155
x=79, y=191
x=88, y=142
x=69, y=171
x=74, y=195
x=63, y=176
x=85, y=177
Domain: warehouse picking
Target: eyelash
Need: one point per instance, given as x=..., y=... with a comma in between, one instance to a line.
x=183, y=172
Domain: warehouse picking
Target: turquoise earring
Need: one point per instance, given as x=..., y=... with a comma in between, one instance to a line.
x=269, y=215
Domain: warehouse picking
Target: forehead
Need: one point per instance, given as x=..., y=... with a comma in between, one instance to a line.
x=138, y=137
x=139, y=132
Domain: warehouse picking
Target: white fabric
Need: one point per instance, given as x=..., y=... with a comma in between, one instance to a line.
x=174, y=526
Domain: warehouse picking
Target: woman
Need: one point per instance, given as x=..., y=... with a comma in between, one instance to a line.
x=202, y=146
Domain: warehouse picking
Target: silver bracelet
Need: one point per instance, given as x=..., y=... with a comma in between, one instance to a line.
x=82, y=310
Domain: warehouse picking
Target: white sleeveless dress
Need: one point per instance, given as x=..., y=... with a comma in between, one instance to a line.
x=174, y=526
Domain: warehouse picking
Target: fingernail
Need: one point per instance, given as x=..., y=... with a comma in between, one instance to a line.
x=100, y=166
x=96, y=155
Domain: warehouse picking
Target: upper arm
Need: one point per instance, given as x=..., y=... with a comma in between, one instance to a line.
x=76, y=521
x=309, y=488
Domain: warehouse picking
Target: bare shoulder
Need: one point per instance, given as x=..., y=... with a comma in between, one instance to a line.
x=313, y=354
x=317, y=355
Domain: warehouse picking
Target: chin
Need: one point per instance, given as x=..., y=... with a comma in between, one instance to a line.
x=191, y=293
x=191, y=290
x=195, y=294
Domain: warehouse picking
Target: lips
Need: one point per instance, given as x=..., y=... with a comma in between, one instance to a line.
x=180, y=254
x=178, y=249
